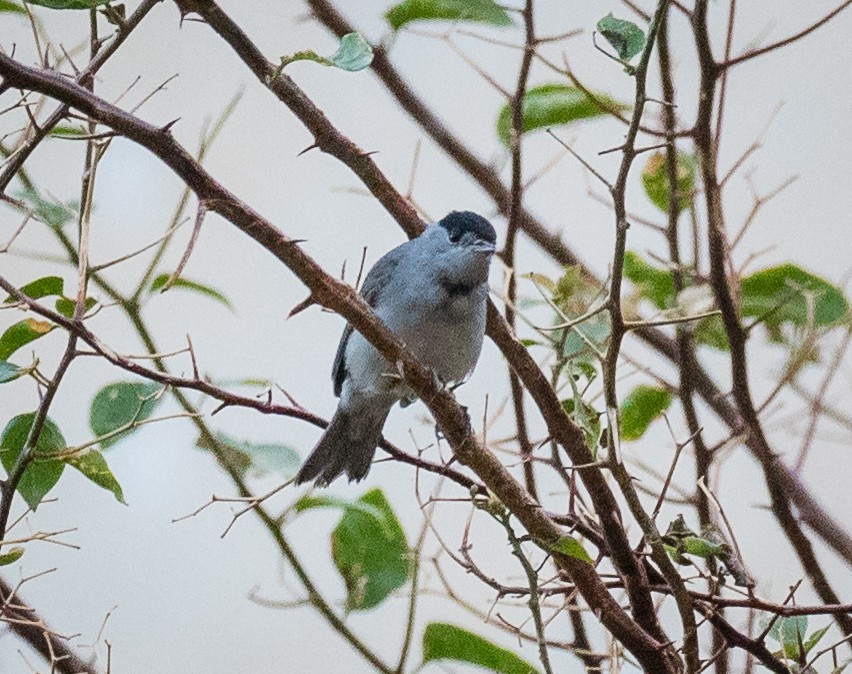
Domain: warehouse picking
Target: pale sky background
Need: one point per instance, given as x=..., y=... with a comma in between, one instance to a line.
x=177, y=593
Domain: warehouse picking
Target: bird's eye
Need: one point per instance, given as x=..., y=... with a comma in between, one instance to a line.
x=454, y=237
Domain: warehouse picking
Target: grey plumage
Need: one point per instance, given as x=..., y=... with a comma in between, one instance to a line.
x=432, y=291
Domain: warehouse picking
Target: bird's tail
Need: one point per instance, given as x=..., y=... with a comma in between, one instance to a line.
x=347, y=445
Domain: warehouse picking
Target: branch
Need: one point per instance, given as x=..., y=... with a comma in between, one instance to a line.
x=737, y=336
x=40, y=132
x=687, y=361
x=560, y=427
x=24, y=621
x=810, y=510
x=737, y=639
x=618, y=330
x=342, y=299
x=514, y=224
x=788, y=40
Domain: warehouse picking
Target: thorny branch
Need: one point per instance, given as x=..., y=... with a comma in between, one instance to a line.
x=339, y=297
x=811, y=511
x=737, y=336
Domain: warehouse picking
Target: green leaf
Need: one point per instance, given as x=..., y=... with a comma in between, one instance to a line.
x=66, y=306
x=310, y=502
x=701, y=547
x=257, y=459
x=552, y=104
x=596, y=330
x=815, y=637
x=571, y=286
x=655, y=180
x=625, y=36
x=42, y=474
x=15, y=553
x=442, y=641
x=711, y=331
x=119, y=404
x=477, y=11
x=674, y=552
x=652, y=283
x=14, y=8
x=186, y=284
x=584, y=415
x=43, y=287
x=9, y=371
x=52, y=212
x=65, y=131
x=353, y=54
x=790, y=632
x=94, y=466
x=68, y=4
x=779, y=295
x=643, y=405
x=21, y=334
x=370, y=552
x=568, y=545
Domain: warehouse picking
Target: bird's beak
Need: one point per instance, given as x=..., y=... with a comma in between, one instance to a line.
x=484, y=247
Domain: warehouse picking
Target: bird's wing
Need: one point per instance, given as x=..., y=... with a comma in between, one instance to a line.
x=375, y=281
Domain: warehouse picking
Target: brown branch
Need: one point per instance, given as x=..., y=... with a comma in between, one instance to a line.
x=737, y=639
x=559, y=425
x=685, y=342
x=618, y=329
x=23, y=620
x=788, y=40
x=196, y=230
x=810, y=510
x=343, y=299
x=517, y=196
x=25, y=149
x=736, y=334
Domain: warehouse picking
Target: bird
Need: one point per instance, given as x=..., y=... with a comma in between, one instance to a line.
x=432, y=292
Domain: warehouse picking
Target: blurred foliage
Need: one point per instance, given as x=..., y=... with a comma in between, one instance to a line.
x=442, y=641
x=625, y=36
x=476, y=11
x=549, y=105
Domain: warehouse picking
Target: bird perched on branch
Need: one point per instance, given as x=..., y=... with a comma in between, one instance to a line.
x=432, y=291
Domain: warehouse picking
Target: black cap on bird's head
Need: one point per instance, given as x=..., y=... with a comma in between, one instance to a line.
x=459, y=223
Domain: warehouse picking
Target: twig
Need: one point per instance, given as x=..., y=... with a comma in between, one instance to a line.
x=788, y=40
x=591, y=169
x=737, y=336
x=26, y=623
x=514, y=224
x=811, y=511
x=533, y=601
x=199, y=219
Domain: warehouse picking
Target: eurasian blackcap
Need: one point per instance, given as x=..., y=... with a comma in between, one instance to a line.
x=432, y=291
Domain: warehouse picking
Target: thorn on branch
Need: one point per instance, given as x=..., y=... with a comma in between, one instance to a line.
x=192, y=358
x=309, y=301
x=168, y=127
